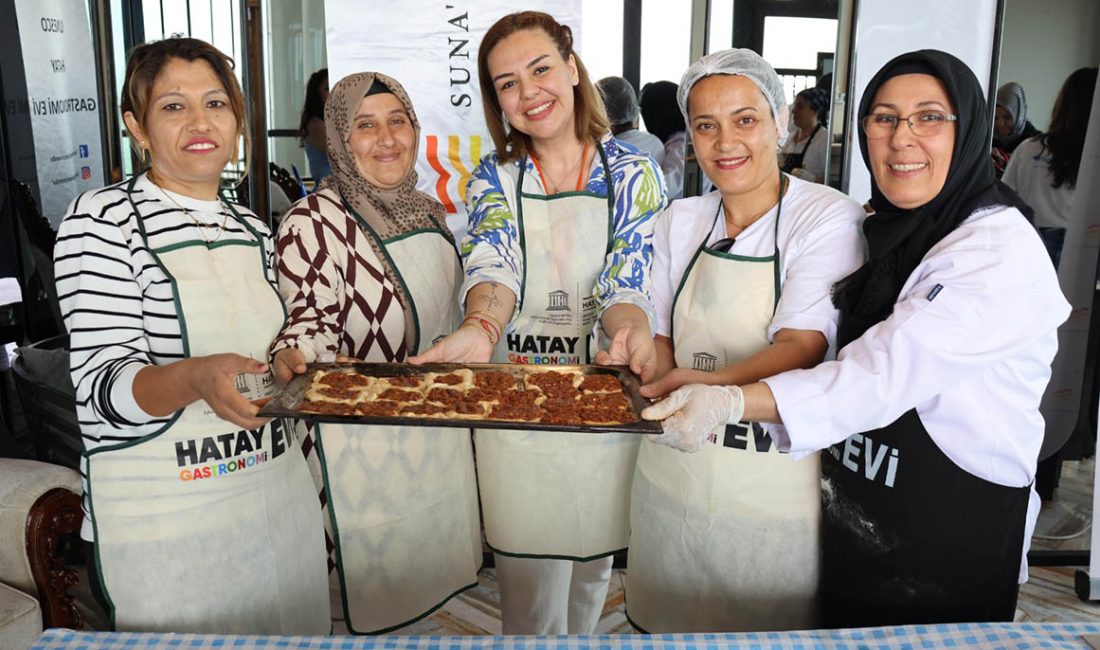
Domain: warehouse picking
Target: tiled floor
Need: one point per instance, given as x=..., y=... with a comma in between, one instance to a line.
x=1064, y=524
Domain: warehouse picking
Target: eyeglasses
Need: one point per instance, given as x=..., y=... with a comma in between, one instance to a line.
x=923, y=124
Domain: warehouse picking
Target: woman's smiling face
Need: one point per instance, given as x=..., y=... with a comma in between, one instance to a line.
x=910, y=170
x=534, y=84
x=382, y=140
x=733, y=132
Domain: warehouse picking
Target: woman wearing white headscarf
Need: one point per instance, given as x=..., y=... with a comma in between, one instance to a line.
x=1010, y=124
x=726, y=539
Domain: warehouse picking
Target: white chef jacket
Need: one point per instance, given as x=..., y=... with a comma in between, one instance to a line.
x=819, y=243
x=969, y=345
x=1028, y=173
x=673, y=165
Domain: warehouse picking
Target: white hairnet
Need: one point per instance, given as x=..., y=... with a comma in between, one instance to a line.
x=619, y=99
x=738, y=62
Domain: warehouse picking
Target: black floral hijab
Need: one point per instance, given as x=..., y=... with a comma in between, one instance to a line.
x=899, y=239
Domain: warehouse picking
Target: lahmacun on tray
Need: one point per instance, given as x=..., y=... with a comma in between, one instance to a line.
x=570, y=398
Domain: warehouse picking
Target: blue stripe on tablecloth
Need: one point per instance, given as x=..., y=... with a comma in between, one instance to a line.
x=967, y=635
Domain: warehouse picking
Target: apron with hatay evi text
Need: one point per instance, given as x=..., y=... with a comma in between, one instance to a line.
x=403, y=500
x=724, y=539
x=910, y=537
x=556, y=494
x=201, y=527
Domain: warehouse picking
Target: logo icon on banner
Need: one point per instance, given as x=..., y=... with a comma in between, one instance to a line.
x=452, y=163
x=86, y=173
x=557, y=301
x=83, y=150
x=704, y=361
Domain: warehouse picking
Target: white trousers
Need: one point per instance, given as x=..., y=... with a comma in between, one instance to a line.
x=541, y=596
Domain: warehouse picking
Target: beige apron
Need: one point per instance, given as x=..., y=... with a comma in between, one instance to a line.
x=556, y=494
x=200, y=527
x=403, y=500
x=725, y=539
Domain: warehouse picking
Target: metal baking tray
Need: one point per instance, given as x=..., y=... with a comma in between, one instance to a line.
x=284, y=404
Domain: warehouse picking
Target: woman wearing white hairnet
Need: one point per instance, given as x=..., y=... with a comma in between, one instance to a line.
x=930, y=412
x=726, y=539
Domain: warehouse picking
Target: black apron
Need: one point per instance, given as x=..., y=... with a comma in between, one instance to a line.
x=793, y=161
x=908, y=536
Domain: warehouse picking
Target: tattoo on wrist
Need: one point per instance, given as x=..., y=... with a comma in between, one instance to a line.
x=492, y=301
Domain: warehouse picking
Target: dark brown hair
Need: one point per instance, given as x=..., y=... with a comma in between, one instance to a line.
x=1068, y=123
x=314, y=106
x=145, y=63
x=589, y=119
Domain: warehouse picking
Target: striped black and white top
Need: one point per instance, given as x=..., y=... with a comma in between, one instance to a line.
x=118, y=303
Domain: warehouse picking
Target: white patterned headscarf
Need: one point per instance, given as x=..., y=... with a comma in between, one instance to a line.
x=1011, y=98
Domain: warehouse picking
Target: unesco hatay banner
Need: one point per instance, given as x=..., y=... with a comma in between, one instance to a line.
x=431, y=48
x=63, y=102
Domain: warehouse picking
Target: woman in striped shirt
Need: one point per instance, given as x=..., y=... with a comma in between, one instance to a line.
x=169, y=299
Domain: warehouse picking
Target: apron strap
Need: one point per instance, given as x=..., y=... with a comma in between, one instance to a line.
x=784, y=185
x=519, y=213
x=810, y=139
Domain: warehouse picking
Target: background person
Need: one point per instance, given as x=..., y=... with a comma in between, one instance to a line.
x=804, y=153
x=170, y=301
x=560, y=209
x=1010, y=124
x=931, y=410
x=311, y=127
x=621, y=103
x=1044, y=169
x=663, y=119
x=727, y=539
x=369, y=270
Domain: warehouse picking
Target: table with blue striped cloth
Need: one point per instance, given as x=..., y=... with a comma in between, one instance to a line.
x=915, y=637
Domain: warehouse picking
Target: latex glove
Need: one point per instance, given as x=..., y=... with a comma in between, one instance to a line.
x=691, y=413
x=465, y=345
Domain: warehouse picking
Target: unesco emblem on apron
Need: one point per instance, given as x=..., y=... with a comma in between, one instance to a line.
x=557, y=301
x=704, y=361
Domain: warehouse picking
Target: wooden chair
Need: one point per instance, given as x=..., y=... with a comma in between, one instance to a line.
x=40, y=515
x=286, y=181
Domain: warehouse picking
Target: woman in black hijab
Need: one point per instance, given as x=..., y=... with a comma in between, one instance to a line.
x=931, y=410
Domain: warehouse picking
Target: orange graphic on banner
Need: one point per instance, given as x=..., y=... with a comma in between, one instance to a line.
x=441, y=183
x=454, y=157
